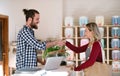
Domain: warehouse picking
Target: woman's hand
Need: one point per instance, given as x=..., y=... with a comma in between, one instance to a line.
x=60, y=42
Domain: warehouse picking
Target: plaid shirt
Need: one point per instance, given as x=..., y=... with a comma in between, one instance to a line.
x=27, y=45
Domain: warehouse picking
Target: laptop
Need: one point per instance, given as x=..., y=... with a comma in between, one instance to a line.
x=53, y=63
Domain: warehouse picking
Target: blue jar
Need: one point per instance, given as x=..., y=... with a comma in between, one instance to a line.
x=115, y=43
x=115, y=20
x=115, y=54
x=69, y=32
x=115, y=32
x=119, y=20
x=82, y=32
x=119, y=32
x=83, y=20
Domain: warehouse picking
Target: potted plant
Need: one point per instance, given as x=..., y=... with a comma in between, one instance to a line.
x=55, y=51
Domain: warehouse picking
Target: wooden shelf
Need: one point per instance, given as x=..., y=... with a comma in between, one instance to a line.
x=68, y=26
x=113, y=25
x=114, y=48
x=68, y=37
x=114, y=37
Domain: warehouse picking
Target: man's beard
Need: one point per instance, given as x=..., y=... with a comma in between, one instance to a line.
x=33, y=26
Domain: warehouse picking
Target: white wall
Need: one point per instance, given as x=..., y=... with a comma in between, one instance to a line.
x=53, y=12
x=50, y=19
x=91, y=8
x=1, y=70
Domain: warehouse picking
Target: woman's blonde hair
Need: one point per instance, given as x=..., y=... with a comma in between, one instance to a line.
x=93, y=27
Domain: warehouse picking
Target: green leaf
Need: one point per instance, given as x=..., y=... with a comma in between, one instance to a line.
x=50, y=49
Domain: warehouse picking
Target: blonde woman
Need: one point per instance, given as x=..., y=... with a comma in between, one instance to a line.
x=92, y=49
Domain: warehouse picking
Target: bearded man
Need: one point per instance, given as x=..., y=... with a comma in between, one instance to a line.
x=27, y=44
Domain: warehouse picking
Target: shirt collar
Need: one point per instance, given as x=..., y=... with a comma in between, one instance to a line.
x=30, y=29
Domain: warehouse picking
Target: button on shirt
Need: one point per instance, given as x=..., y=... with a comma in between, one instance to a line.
x=26, y=56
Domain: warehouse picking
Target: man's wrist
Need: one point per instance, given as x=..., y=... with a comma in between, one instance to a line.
x=54, y=43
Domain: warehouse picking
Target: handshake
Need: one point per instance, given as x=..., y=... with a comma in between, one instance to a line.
x=60, y=42
x=56, y=43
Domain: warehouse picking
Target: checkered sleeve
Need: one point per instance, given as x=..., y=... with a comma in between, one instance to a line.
x=32, y=41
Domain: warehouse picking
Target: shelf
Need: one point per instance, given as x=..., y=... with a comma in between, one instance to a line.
x=114, y=37
x=105, y=48
x=86, y=38
x=81, y=38
x=114, y=26
x=114, y=60
x=68, y=37
x=68, y=26
x=114, y=48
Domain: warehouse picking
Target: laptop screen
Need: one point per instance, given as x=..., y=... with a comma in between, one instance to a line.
x=53, y=63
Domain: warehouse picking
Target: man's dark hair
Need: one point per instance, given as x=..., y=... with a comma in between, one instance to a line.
x=30, y=13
